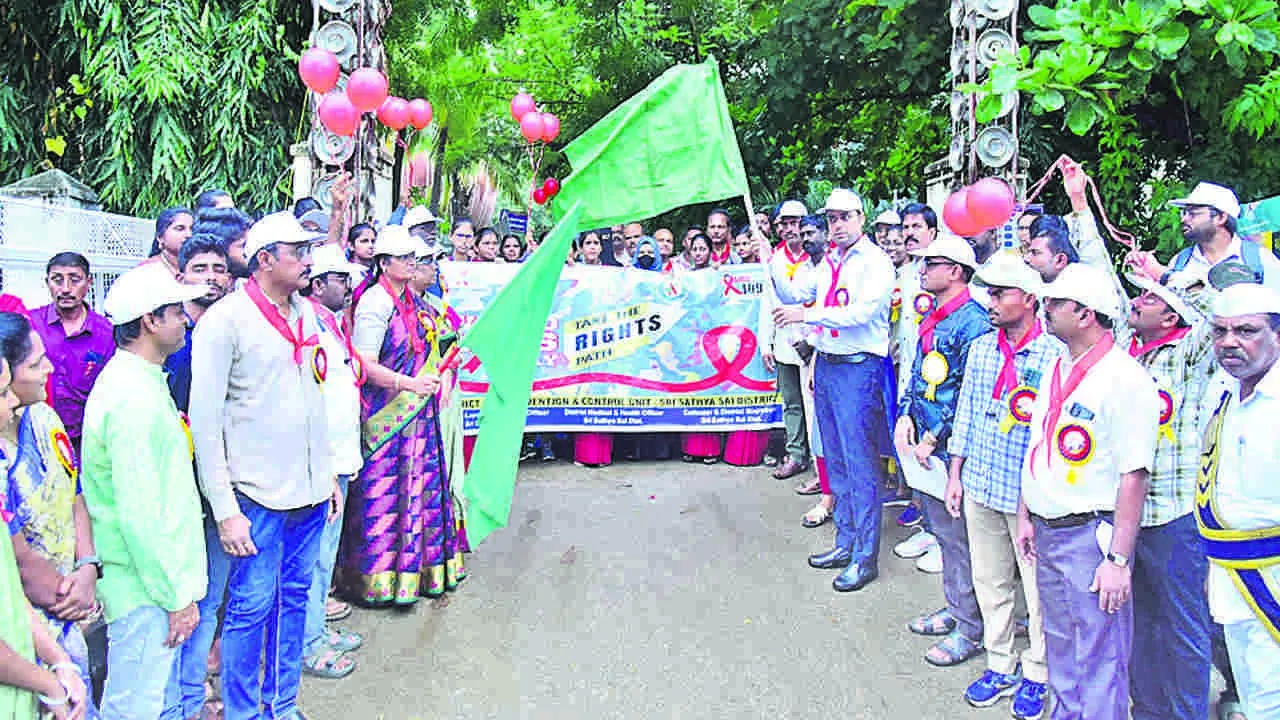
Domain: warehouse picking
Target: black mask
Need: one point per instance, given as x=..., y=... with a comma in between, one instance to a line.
x=645, y=261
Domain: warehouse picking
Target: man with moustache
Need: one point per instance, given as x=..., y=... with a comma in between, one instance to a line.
x=721, y=238
x=1237, y=496
x=790, y=262
x=265, y=462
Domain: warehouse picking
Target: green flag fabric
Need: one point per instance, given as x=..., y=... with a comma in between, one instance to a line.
x=668, y=146
x=507, y=339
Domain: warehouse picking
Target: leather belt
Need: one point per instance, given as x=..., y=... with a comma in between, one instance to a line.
x=851, y=358
x=1075, y=519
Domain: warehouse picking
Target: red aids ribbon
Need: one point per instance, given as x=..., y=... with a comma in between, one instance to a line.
x=1136, y=350
x=931, y=320
x=731, y=285
x=277, y=321
x=1008, y=377
x=1058, y=393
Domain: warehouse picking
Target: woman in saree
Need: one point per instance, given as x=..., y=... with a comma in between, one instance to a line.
x=49, y=523
x=403, y=533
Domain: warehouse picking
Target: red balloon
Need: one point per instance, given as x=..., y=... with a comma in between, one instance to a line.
x=367, y=88
x=550, y=187
x=550, y=127
x=539, y=196
x=990, y=202
x=338, y=114
x=956, y=215
x=394, y=113
x=522, y=104
x=419, y=113
x=319, y=70
x=532, y=127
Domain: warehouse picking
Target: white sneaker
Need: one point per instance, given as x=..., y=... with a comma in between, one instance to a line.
x=916, y=545
x=931, y=561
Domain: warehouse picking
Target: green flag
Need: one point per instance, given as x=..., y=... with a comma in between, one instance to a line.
x=507, y=339
x=668, y=146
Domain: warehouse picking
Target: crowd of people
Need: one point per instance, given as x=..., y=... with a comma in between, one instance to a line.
x=1087, y=469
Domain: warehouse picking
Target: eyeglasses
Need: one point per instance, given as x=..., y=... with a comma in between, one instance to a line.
x=300, y=250
x=936, y=263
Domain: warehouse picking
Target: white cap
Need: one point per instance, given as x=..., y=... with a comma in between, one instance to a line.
x=1008, y=270
x=426, y=249
x=419, y=215
x=1168, y=294
x=888, y=217
x=1086, y=285
x=145, y=288
x=844, y=201
x=951, y=247
x=792, y=208
x=394, y=240
x=1246, y=299
x=1209, y=195
x=280, y=227
x=331, y=259
x=320, y=218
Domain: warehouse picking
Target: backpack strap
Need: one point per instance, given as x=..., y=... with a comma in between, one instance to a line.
x=1251, y=254
x=1178, y=265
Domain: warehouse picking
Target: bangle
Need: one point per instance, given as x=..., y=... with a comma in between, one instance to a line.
x=50, y=702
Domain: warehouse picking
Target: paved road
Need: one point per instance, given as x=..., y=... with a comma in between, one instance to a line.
x=653, y=590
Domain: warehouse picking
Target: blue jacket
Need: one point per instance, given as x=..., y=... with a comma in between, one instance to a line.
x=951, y=339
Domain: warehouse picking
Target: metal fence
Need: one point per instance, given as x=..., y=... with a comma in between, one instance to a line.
x=32, y=232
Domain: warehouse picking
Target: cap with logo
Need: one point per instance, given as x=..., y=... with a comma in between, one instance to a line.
x=143, y=289
x=842, y=200
x=1008, y=270
x=395, y=240
x=279, y=227
x=1209, y=195
x=1246, y=299
x=331, y=259
x=1086, y=285
x=949, y=247
x=792, y=208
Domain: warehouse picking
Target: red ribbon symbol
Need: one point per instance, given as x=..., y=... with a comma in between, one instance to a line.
x=727, y=370
x=731, y=285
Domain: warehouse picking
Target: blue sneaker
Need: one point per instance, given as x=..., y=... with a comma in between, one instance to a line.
x=910, y=517
x=990, y=688
x=1029, y=702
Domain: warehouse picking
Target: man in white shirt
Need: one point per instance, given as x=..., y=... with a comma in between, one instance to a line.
x=1093, y=438
x=851, y=292
x=790, y=260
x=1238, y=498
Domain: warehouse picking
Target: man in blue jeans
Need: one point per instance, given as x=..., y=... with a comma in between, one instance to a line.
x=266, y=466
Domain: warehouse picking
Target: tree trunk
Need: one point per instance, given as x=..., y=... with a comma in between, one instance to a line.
x=437, y=183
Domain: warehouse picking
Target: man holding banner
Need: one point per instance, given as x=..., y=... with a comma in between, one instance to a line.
x=853, y=290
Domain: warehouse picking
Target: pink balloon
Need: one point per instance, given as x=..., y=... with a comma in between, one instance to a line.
x=338, y=114
x=419, y=113
x=394, y=113
x=550, y=127
x=550, y=187
x=532, y=127
x=990, y=202
x=522, y=104
x=955, y=214
x=319, y=70
x=539, y=196
x=367, y=88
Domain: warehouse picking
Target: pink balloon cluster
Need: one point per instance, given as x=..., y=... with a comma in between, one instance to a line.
x=367, y=91
x=986, y=204
x=549, y=188
x=534, y=126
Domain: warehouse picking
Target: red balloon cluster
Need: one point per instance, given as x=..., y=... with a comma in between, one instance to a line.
x=981, y=206
x=534, y=126
x=367, y=91
x=549, y=188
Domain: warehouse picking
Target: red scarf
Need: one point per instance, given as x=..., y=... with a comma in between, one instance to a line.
x=793, y=261
x=330, y=320
x=721, y=259
x=1008, y=378
x=277, y=321
x=1136, y=350
x=408, y=314
x=939, y=314
x=1058, y=393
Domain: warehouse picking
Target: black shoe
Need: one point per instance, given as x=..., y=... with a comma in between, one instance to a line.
x=834, y=558
x=855, y=577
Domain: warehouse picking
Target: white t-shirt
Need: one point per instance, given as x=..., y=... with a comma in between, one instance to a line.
x=341, y=401
x=1108, y=427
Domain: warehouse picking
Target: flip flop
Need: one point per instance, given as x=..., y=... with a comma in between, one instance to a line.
x=816, y=517
x=954, y=649
x=343, y=640
x=933, y=624
x=329, y=664
x=812, y=487
x=335, y=610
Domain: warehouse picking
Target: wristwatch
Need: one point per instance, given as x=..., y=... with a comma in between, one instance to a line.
x=89, y=560
x=1118, y=560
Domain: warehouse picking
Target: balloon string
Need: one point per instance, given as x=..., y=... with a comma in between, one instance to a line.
x=1120, y=236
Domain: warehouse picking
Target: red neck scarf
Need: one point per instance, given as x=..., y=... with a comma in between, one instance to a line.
x=1058, y=393
x=939, y=314
x=330, y=321
x=408, y=314
x=277, y=321
x=1008, y=378
x=1136, y=350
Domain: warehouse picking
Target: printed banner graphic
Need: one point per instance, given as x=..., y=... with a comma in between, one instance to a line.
x=628, y=350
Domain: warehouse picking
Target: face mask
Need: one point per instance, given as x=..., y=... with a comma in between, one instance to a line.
x=645, y=261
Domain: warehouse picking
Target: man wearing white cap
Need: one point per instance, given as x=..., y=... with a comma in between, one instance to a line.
x=885, y=222
x=325, y=649
x=1238, y=498
x=141, y=494
x=265, y=463
x=1209, y=217
x=1003, y=375
x=923, y=428
x=1093, y=437
x=779, y=346
x=421, y=223
x=1171, y=614
x=851, y=293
